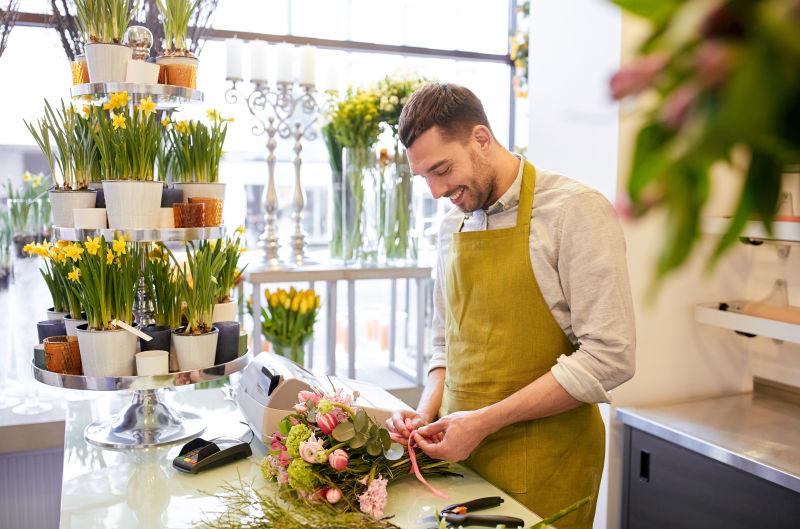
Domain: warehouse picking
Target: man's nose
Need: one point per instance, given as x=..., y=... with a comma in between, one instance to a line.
x=437, y=187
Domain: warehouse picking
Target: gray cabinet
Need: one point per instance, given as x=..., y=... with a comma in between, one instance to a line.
x=669, y=487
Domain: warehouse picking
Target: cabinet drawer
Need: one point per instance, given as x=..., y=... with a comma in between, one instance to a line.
x=667, y=486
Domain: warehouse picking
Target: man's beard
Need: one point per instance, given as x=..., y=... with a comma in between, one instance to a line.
x=482, y=174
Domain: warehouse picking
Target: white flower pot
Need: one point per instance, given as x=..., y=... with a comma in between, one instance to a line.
x=90, y=218
x=107, y=353
x=224, y=312
x=132, y=204
x=195, y=190
x=55, y=315
x=195, y=352
x=142, y=72
x=166, y=218
x=108, y=63
x=63, y=203
x=72, y=325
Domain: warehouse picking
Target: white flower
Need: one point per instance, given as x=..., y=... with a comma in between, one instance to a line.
x=394, y=100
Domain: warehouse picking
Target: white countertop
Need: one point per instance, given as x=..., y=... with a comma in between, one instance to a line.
x=107, y=489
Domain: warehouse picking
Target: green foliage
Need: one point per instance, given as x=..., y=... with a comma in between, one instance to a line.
x=726, y=79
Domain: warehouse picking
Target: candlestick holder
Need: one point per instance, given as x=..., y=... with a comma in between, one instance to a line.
x=287, y=111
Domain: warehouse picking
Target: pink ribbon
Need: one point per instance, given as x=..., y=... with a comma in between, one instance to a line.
x=415, y=469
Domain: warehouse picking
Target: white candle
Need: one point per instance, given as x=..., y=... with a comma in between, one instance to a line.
x=332, y=64
x=258, y=60
x=308, y=64
x=285, y=73
x=233, y=48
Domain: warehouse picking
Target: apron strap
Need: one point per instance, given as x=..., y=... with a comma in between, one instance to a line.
x=526, y=194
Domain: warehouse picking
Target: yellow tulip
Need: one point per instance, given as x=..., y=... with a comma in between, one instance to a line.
x=292, y=292
x=296, y=303
x=303, y=306
x=286, y=304
x=273, y=300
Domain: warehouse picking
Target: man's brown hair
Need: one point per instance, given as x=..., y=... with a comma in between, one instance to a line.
x=452, y=108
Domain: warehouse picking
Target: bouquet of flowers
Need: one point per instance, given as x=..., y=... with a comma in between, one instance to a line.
x=331, y=451
x=288, y=320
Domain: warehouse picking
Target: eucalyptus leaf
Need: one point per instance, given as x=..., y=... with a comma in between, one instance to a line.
x=374, y=448
x=343, y=432
x=358, y=440
x=361, y=421
x=386, y=441
x=284, y=426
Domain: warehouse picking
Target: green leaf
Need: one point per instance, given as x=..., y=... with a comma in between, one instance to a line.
x=284, y=426
x=649, y=160
x=655, y=11
x=358, y=440
x=560, y=514
x=374, y=448
x=361, y=421
x=386, y=441
x=343, y=432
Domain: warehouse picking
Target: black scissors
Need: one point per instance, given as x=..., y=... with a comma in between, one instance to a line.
x=460, y=514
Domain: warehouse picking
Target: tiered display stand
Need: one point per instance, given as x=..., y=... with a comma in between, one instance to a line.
x=147, y=421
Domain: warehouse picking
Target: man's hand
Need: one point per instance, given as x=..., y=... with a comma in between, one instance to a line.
x=453, y=437
x=402, y=423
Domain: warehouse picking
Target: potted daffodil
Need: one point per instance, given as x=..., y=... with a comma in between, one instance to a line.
x=178, y=64
x=128, y=141
x=104, y=23
x=196, y=343
x=105, y=277
x=228, y=278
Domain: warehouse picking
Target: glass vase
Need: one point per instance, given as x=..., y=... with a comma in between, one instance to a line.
x=27, y=221
x=360, y=206
x=294, y=351
x=336, y=215
x=398, y=233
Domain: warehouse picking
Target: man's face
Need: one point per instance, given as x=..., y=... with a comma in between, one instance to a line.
x=453, y=169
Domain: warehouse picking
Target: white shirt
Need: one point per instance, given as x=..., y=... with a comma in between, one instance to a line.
x=578, y=258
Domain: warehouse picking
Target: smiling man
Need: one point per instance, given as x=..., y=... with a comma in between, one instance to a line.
x=533, y=319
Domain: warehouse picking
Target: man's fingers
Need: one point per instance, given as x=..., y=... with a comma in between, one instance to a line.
x=432, y=429
x=433, y=449
x=398, y=438
x=399, y=424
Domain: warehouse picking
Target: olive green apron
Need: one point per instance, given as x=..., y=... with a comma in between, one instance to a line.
x=500, y=337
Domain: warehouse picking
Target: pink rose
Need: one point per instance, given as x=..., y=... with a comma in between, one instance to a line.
x=300, y=408
x=309, y=450
x=305, y=396
x=327, y=422
x=333, y=495
x=338, y=459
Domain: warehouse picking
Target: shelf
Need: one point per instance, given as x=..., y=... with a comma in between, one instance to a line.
x=165, y=96
x=178, y=378
x=783, y=231
x=709, y=314
x=142, y=235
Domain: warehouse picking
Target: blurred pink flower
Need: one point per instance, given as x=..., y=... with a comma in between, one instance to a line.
x=305, y=396
x=338, y=459
x=373, y=500
x=283, y=476
x=713, y=62
x=677, y=106
x=284, y=459
x=327, y=422
x=300, y=408
x=333, y=495
x=638, y=76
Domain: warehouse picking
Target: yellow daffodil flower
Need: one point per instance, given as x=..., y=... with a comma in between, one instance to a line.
x=109, y=257
x=27, y=177
x=240, y=230
x=147, y=106
x=63, y=244
x=242, y=249
x=92, y=245
x=119, y=246
x=28, y=248
x=213, y=115
x=74, y=252
x=165, y=121
x=37, y=181
x=75, y=274
x=182, y=127
x=86, y=110
x=118, y=121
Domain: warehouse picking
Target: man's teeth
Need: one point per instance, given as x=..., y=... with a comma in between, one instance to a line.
x=457, y=195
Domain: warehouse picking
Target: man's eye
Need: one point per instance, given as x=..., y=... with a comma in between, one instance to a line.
x=443, y=172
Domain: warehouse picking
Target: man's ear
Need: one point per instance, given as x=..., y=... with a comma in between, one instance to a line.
x=482, y=135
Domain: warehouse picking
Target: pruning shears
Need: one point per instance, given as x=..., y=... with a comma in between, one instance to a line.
x=460, y=514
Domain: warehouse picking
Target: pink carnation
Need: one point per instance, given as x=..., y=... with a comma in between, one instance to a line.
x=305, y=396
x=373, y=500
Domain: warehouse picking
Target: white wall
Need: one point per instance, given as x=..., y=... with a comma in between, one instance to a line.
x=574, y=50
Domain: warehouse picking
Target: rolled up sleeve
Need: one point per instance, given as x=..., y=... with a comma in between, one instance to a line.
x=593, y=272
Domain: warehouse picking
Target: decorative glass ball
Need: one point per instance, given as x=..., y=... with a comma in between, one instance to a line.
x=140, y=39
